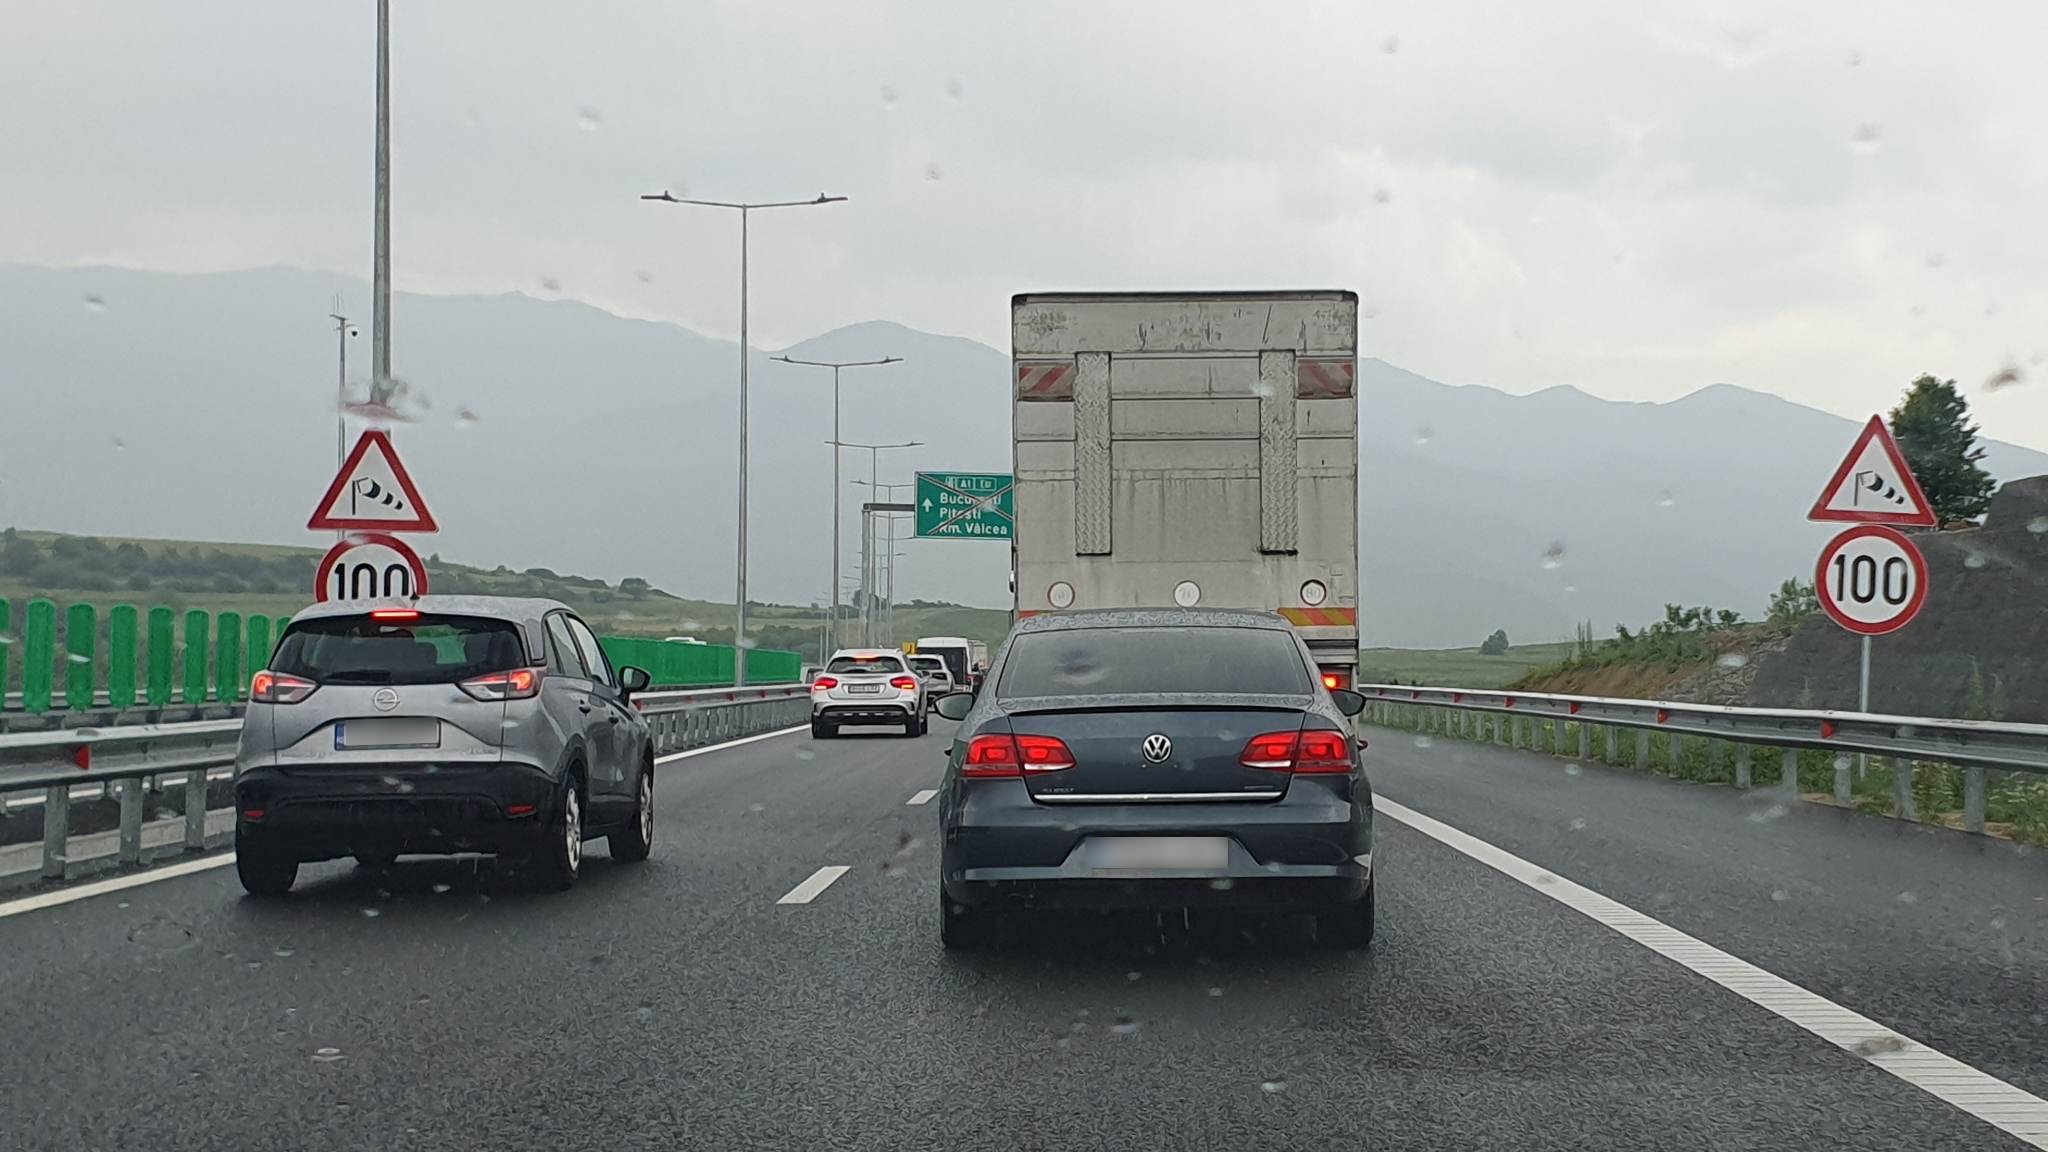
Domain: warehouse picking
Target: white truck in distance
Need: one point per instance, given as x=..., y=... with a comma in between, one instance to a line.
x=1190, y=449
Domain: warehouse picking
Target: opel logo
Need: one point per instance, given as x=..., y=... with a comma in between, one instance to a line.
x=1157, y=748
x=385, y=699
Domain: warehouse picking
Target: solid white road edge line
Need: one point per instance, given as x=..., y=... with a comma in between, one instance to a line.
x=113, y=884
x=820, y=880
x=1997, y=1103
x=187, y=867
x=685, y=755
x=922, y=796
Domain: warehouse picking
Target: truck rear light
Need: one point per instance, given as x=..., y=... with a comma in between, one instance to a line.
x=824, y=684
x=515, y=684
x=1335, y=678
x=1312, y=753
x=267, y=687
x=903, y=683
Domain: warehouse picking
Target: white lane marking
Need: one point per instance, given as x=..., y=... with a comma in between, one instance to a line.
x=820, y=880
x=116, y=884
x=1984, y=1096
x=729, y=744
x=187, y=867
x=922, y=796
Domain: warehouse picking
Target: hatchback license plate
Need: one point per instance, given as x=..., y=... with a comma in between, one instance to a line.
x=864, y=689
x=1158, y=852
x=388, y=732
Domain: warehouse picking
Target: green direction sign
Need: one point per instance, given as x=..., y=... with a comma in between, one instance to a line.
x=965, y=505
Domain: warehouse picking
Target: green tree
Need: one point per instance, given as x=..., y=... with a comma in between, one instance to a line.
x=1793, y=601
x=1496, y=644
x=1932, y=426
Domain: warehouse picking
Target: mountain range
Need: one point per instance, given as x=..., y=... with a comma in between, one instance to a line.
x=551, y=433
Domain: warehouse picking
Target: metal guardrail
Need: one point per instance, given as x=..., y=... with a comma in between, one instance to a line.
x=1975, y=745
x=131, y=760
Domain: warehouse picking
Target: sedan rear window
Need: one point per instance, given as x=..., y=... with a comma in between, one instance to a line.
x=856, y=665
x=428, y=650
x=1194, y=660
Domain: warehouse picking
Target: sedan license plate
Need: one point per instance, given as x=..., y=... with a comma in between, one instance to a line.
x=864, y=689
x=1158, y=852
x=387, y=732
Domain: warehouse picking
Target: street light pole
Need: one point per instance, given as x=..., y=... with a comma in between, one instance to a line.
x=380, y=266
x=835, y=366
x=739, y=633
x=341, y=335
x=888, y=580
x=867, y=567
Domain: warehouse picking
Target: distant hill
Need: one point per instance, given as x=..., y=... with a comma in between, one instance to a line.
x=201, y=406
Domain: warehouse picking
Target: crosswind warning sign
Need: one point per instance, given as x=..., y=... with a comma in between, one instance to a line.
x=1874, y=485
x=372, y=490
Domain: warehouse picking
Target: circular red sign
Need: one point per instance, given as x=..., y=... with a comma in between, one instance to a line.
x=1871, y=579
x=370, y=566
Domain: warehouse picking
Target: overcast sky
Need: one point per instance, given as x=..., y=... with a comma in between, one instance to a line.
x=1821, y=200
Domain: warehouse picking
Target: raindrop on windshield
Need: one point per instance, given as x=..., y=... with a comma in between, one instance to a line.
x=1866, y=138
x=589, y=119
x=1223, y=884
x=464, y=417
x=1974, y=560
x=2005, y=377
x=372, y=913
x=1854, y=59
x=1270, y=1087
x=644, y=276
x=120, y=445
x=441, y=888
x=1665, y=499
x=888, y=98
x=1215, y=992
x=94, y=302
x=1382, y=195
x=1578, y=823
x=1134, y=977
x=1936, y=260
x=1572, y=769
x=933, y=172
x=1424, y=742
x=1390, y=45
x=1909, y=898
x=1731, y=660
x=550, y=284
x=282, y=952
x=75, y=658
x=2038, y=525
x=1424, y=435
x=1553, y=556
x=1124, y=1026
x=1877, y=1045
x=955, y=89
x=804, y=752
x=326, y=1055
x=1778, y=894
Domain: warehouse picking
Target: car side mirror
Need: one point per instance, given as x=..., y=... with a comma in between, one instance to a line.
x=633, y=680
x=1348, y=702
x=955, y=705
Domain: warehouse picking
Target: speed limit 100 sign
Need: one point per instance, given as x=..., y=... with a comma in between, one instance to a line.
x=1871, y=580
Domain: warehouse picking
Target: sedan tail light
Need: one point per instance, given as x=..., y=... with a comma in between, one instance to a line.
x=904, y=683
x=516, y=684
x=824, y=684
x=1311, y=753
x=267, y=687
x=994, y=755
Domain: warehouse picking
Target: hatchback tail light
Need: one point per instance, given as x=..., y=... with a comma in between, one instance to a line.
x=516, y=684
x=996, y=755
x=1311, y=753
x=824, y=684
x=267, y=687
x=903, y=683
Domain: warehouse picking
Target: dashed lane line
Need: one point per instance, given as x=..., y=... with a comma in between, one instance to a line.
x=815, y=884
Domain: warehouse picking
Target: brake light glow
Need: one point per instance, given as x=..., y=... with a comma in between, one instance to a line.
x=253, y=815
x=904, y=683
x=267, y=687
x=520, y=809
x=1312, y=753
x=824, y=683
x=514, y=684
x=994, y=755
x=1334, y=679
x=394, y=614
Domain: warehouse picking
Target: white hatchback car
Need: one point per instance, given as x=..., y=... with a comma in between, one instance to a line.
x=867, y=686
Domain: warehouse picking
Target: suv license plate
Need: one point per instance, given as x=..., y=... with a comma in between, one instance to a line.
x=1158, y=852
x=864, y=689
x=387, y=732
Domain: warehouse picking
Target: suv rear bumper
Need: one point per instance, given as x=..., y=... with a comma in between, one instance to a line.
x=876, y=712
x=321, y=813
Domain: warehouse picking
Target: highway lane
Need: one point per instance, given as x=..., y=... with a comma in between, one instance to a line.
x=677, y=1004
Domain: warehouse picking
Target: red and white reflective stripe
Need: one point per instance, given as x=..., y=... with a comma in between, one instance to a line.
x=1049, y=380
x=1323, y=379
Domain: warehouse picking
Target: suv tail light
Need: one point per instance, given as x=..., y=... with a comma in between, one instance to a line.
x=903, y=683
x=995, y=755
x=824, y=683
x=267, y=687
x=516, y=684
x=1312, y=753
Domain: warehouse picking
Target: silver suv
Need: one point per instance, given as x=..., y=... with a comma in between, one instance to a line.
x=439, y=725
x=867, y=686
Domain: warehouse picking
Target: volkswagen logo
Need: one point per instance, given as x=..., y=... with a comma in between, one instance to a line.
x=385, y=699
x=1157, y=748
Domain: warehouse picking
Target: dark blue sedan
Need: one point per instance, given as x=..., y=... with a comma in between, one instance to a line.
x=1155, y=759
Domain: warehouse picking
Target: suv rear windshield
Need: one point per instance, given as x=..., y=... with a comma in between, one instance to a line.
x=1092, y=661
x=429, y=650
x=928, y=664
x=856, y=665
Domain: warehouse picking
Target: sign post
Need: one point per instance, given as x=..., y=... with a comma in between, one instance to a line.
x=1872, y=579
x=965, y=506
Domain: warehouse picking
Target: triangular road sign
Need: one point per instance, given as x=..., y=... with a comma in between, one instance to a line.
x=1874, y=485
x=372, y=490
